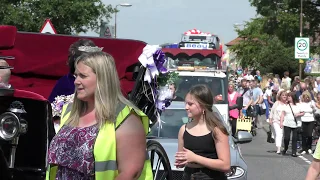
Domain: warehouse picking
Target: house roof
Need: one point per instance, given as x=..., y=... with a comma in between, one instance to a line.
x=234, y=41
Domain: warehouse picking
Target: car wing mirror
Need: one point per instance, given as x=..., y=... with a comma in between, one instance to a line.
x=243, y=137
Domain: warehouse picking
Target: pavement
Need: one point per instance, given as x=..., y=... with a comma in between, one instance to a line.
x=264, y=164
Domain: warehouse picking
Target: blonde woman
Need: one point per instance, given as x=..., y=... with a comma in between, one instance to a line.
x=307, y=119
x=101, y=130
x=275, y=116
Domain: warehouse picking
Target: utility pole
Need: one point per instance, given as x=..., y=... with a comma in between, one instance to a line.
x=301, y=28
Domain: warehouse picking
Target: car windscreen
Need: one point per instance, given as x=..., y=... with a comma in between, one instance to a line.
x=171, y=121
x=215, y=84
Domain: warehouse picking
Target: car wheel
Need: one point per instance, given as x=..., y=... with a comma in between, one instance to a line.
x=155, y=148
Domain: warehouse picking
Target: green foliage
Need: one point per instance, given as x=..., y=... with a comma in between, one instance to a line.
x=268, y=40
x=277, y=58
x=283, y=18
x=67, y=16
x=168, y=78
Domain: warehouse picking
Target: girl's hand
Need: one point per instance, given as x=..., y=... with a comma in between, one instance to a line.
x=281, y=125
x=184, y=157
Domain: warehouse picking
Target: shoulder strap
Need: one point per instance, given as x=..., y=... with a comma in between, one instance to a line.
x=293, y=114
x=245, y=90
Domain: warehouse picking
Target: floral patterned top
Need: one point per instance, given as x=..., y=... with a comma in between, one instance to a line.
x=72, y=151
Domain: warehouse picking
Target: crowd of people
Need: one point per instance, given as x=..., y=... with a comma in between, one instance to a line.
x=291, y=107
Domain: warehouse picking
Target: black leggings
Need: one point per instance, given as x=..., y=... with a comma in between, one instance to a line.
x=287, y=133
x=307, y=128
x=233, y=123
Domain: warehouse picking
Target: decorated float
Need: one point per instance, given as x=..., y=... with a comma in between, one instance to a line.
x=202, y=49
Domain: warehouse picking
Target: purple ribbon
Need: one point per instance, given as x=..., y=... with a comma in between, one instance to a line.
x=162, y=105
x=159, y=59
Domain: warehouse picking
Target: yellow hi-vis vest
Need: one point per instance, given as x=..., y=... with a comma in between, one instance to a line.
x=105, y=149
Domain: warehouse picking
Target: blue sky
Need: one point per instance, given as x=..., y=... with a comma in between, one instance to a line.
x=162, y=21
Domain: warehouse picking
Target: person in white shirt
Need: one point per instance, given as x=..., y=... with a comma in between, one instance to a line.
x=290, y=116
x=308, y=107
x=275, y=116
x=286, y=79
x=267, y=98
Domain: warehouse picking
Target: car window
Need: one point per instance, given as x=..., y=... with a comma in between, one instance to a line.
x=171, y=121
x=215, y=84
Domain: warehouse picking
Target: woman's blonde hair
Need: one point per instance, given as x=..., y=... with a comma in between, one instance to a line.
x=279, y=94
x=107, y=95
x=264, y=81
x=204, y=97
x=305, y=97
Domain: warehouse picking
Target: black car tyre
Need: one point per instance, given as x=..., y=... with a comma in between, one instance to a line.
x=155, y=147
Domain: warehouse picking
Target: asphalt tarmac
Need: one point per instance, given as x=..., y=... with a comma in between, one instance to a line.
x=264, y=164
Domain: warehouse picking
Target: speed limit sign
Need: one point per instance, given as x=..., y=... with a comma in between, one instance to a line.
x=302, y=48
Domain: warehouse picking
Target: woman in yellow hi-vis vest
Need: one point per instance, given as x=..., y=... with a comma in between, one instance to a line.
x=101, y=135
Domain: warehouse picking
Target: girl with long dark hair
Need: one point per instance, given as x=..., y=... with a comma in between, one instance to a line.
x=203, y=147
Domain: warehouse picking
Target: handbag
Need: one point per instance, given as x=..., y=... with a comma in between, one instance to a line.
x=251, y=112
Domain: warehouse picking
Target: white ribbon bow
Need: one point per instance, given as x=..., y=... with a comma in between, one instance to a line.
x=146, y=59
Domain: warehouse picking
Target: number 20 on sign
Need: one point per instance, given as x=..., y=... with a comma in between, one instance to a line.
x=302, y=48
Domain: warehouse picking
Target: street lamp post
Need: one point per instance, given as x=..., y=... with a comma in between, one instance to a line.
x=115, y=16
x=301, y=34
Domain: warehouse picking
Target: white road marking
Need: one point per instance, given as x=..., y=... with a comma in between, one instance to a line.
x=305, y=159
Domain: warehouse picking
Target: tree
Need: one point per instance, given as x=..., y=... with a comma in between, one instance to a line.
x=276, y=58
x=284, y=17
x=263, y=51
x=67, y=16
x=252, y=38
x=268, y=40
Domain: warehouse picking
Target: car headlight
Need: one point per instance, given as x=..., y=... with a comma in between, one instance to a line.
x=9, y=126
x=235, y=172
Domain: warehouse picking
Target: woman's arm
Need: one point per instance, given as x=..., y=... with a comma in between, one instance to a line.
x=131, y=148
x=223, y=151
x=301, y=111
x=178, y=163
x=180, y=138
x=314, y=170
x=272, y=112
x=282, y=118
x=269, y=100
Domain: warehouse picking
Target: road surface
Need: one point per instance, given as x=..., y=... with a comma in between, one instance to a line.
x=265, y=164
